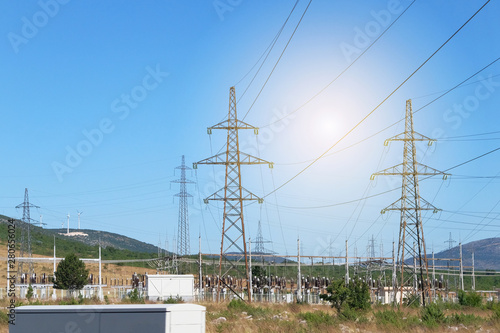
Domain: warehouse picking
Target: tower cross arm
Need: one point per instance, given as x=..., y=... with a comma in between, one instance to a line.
x=413, y=137
x=403, y=205
x=232, y=193
x=232, y=124
x=184, y=181
x=244, y=159
x=183, y=195
x=22, y=205
x=398, y=170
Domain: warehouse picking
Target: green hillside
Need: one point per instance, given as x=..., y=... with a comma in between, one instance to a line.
x=114, y=246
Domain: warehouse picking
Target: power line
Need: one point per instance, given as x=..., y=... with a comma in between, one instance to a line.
x=400, y=120
x=345, y=70
x=383, y=101
x=270, y=48
x=276, y=64
x=388, y=191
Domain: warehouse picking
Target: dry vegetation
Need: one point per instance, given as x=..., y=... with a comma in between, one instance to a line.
x=289, y=318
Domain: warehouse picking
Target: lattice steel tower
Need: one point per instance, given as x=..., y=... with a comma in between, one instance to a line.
x=260, y=248
x=233, y=193
x=413, y=272
x=25, y=239
x=183, y=240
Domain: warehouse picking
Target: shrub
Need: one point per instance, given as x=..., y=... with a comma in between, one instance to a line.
x=355, y=295
x=389, y=318
x=496, y=311
x=4, y=318
x=239, y=305
x=470, y=298
x=350, y=314
x=173, y=300
x=134, y=297
x=29, y=293
x=466, y=319
x=432, y=315
x=317, y=318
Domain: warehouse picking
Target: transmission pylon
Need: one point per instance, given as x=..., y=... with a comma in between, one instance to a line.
x=25, y=240
x=233, y=193
x=259, y=244
x=183, y=243
x=410, y=205
x=259, y=241
x=450, y=242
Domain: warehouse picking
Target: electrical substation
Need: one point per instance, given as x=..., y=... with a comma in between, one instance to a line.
x=277, y=213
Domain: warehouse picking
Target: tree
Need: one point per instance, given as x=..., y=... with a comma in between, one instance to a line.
x=71, y=274
x=355, y=295
x=338, y=293
x=29, y=294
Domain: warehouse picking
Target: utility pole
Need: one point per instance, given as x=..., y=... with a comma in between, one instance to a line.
x=394, y=279
x=346, y=264
x=100, y=275
x=233, y=194
x=461, y=269
x=473, y=274
x=250, y=290
x=54, y=257
x=25, y=241
x=299, y=276
x=410, y=205
x=433, y=275
x=183, y=240
x=200, y=272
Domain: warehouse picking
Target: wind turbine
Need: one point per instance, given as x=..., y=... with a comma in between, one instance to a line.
x=79, y=218
x=68, y=224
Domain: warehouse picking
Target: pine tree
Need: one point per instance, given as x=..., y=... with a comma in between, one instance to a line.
x=71, y=274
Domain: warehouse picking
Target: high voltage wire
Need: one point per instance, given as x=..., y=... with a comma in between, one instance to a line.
x=402, y=119
x=383, y=101
x=392, y=190
x=281, y=55
x=465, y=85
x=270, y=48
x=345, y=70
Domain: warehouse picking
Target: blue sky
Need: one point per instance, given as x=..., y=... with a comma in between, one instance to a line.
x=132, y=86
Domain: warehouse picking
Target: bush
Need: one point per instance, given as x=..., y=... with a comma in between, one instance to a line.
x=389, y=318
x=470, y=298
x=29, y=293
x=317, y=318
x=349, y=314
x=239, y=305
x=496, y=310
x=355, y=295
x=173, y=300
x=4, y=318
x=432, y=315
x=466, y=319
x=134, y=297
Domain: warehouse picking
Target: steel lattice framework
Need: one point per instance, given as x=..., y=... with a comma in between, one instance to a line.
x=233, y=193
x=183, y=243
x=25, y=239
x=412, y=257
